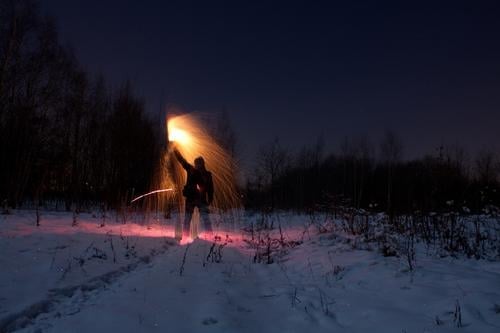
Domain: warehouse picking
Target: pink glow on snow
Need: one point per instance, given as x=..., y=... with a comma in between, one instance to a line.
x=56, y=226
x=61, y=224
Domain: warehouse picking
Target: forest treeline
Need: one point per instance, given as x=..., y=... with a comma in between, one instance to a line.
x=375, y=177
x=65, y=133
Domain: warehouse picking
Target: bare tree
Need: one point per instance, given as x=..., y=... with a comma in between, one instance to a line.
x=391, y=151
x=487, y=168
x=458, y=159
x=311, y=157
x=357, y=162
x=273, y=160
x=31, y=81
x=57, y=132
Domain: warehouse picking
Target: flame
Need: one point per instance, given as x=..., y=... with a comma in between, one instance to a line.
x=176, y=134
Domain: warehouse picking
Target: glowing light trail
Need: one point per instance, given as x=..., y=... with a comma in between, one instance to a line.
x=152, y=192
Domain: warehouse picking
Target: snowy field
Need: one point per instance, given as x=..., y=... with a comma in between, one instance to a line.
x=133, y=277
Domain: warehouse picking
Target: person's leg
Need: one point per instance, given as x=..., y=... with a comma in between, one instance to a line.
x=204, y=215
x=187, y=218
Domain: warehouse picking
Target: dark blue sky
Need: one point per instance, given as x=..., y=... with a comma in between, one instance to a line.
x=296, y=69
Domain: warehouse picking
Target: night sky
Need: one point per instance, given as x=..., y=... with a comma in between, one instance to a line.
x=295, y=70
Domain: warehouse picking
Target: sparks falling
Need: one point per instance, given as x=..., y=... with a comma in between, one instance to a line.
x=193, y=139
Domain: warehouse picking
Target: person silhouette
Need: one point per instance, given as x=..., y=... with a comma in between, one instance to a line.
x=198, y=191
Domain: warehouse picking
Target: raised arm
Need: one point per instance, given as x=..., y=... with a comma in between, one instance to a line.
x=182, y=160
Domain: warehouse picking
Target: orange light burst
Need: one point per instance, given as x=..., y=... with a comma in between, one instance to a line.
x=176, y=134
x=193, y=139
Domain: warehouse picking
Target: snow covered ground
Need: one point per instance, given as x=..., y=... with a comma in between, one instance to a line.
x=134, y=277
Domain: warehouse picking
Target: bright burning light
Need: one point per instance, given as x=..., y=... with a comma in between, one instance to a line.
x=178, y=135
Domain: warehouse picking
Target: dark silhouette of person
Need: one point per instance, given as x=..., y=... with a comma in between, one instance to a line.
x=198, y=191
